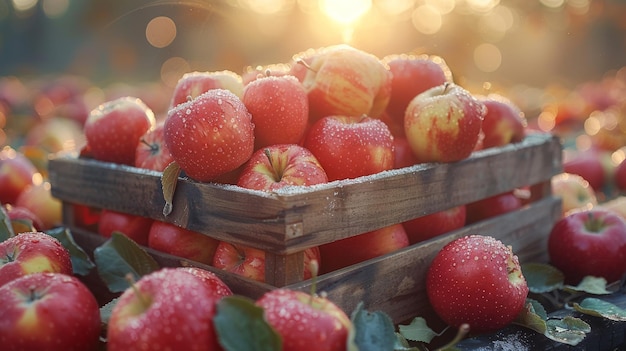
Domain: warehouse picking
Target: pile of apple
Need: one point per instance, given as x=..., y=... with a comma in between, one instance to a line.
x=330, y=114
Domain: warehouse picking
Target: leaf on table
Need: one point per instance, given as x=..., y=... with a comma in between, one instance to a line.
x=402, y=344
x=6, y=229
x=373, y=331
x=119, y=256
x=542, y=277
x=241, y=325
x=600, y=308
x=81, y=263
x=169, y=179
x=417, y=330
x=569, y=330
x=591, y=285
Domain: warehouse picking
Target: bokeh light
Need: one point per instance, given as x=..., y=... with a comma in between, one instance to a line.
x=161, y=31
x=172, y=69
x=487, y=57
x=427, y=19
x=55, y=8
x=346, y=11
x=24, y=5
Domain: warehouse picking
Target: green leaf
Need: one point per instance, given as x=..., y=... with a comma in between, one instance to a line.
x=169, y=179
x=373, y=331
x=106, y=310
x=569, y=330
x=402, y=344
x=241, y=325
x=6, y=229
x=532, y=316
x=417, y=330
x=81, y=263
x=542, y=277
x=119, y=256
x=590, y=285
x=22, y=225
x=600, y=308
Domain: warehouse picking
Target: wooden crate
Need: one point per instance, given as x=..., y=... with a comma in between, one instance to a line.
x=286, y=222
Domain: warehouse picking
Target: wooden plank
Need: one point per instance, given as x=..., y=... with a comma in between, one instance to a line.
x=289, y=221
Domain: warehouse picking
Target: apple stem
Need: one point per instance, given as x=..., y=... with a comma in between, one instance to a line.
x=594, y=224
x=303, y=63
x=462, y=331
x=153, y=147
x=278, y=174
x=314, y=267
x=142, y=298
x=446, y=86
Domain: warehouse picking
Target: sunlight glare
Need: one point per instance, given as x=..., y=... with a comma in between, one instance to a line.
x=347, y=11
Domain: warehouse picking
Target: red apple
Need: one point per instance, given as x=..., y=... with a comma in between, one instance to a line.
x=113, y=129
x=476, y=280
x=591, y=242
x=493, y=206
x=279, y=108
x=56, y=134
x=403, y=155
x=443, y=123
x=32, y=252
x=358, y=248
x=211, y=280
x=16, y=174
x=24, y=215
x=152, y=153
x=342, y=80
x=250, y=262
x=306, y=322
x=251, y=73
x=193, y=84
x=434, y=224
x=39, y=200
x=210, y=135
x=277, y=166
x=350, y=147
x=504, y=122
x=135, y=227
x=86, y=217
x=617, y=205
x=48, y=311
x=586, y=164
x=170, y=308
x=412, y=75
x=574, y=191
x=178, y=241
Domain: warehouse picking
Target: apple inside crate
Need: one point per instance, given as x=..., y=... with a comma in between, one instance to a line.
x=286, y=222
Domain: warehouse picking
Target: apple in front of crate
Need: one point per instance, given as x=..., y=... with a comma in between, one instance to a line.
x=170, y=308
x=412, y=75
x=476, y=280
x=32, y=252
x=182, y=242
x=39, y=200
x=589, y=243
x=193, y=84
x=443, y=123
x=134, y=227
x=574, y=191
x=350, y=147
x=277, y=104
x=21, y=217
x=306, y=322
x=113, y=129
x=434, y=224
x=249, y=262
x=503, y=123
x=358, y=248
x=342, y=80
x=493, y=206
x=16, y=174
x=210, y=135
x=587, y=164
x=211, y=280
x=152, y=153
x=403, y=155
x=48, y=311
x=276, y=166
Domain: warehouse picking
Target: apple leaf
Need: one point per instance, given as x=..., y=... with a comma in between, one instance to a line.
x=591, y=285
x=417, y=330
x=81, y=263
x=373, y=331
x=600, y=308
x=241, y=325
x=119, y=256
x=533, y=316
x=542, y=277
x=106, y=310
x=568, y=330
x=22, y=225
x=6, y=229
x=169, y=179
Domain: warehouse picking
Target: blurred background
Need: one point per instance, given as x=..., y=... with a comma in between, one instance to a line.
x=534, y=42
